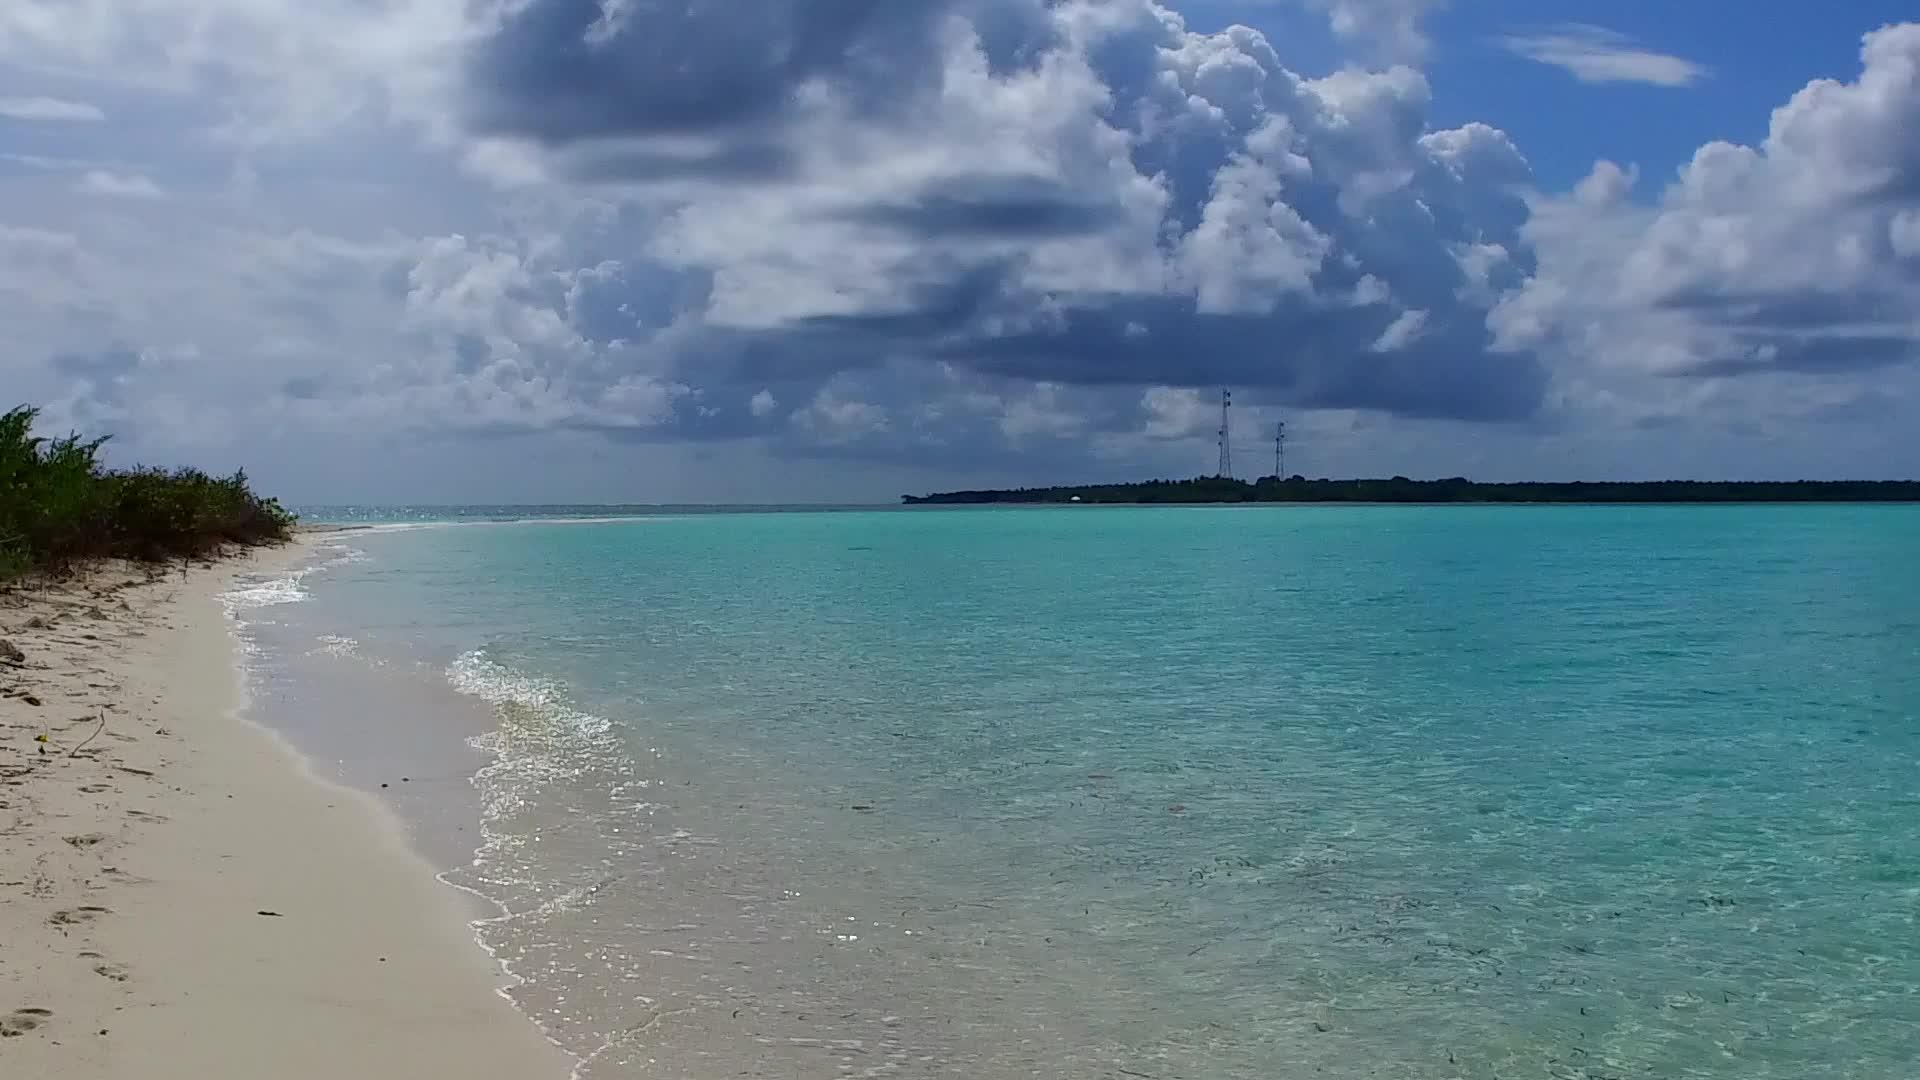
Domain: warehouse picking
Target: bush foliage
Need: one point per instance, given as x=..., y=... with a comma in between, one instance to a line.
x=59, y=505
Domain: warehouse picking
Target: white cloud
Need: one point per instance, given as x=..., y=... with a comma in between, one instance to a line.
x=51, y=109
x=1013, y=227
x=1177, y=413
x=1391, y=28
x=1015, y=198
x=307, y=69
x=1594, y=54
x=1402, y=332
x=118, y=185
x=835, y=420
x=1769, y=261
x=1042, y=412
x=1250, y=248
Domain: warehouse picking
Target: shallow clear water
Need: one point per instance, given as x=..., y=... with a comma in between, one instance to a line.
x=1185, y=793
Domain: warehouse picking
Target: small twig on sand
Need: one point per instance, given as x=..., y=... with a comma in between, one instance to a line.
x=90, y=738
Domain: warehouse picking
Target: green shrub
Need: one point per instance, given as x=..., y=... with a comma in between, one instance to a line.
x=59, y=506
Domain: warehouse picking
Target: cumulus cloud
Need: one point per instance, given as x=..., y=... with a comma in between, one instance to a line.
x=1075, y=194
x=832, y=418
x=1177, y=413
x=1377, y=31
x=504, y=339
x=1595, y=54
x=51, y=109
x=1046, y=411
x=1390, y=28
x=1783, y=258
x=982, y=230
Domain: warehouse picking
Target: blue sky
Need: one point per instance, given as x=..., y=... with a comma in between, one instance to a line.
x=1752, y=61
x=574, y=250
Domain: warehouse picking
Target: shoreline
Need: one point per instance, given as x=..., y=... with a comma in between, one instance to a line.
x=183, y=895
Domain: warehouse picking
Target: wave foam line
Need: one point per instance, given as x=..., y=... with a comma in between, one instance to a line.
x=541, y=740
x=288, y=587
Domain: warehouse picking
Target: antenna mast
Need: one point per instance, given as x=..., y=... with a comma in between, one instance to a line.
x=1280, y=451
x=1226, y=434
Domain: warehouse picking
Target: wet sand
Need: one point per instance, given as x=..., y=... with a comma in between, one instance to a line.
x=181, y=896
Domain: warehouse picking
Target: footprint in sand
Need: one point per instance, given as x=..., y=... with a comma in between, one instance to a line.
x=85, y=840
x=21, y=1021
x=120, y=875
x=111, y=971
x=79, y=916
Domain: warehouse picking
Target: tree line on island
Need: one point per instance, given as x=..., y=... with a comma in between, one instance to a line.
x=1399, y=489
x=60, y=506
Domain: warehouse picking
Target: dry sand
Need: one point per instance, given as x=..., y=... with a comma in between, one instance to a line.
x=181, y=897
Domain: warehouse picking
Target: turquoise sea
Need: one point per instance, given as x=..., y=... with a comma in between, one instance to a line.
x=1185, y=794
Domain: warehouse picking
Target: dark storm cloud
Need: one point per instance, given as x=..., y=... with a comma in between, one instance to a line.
x=987, y=205
x=1809, y=354
x=1086, y=195
x=1464, y=384
x=1282, y=200
x=304, y=387
x=921, y=230
x=99, y=388
x=470, y=353
x=1324, y=360
x=1787, y=311
x=565, y=70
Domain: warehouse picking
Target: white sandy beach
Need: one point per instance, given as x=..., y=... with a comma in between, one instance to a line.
x=180, y=896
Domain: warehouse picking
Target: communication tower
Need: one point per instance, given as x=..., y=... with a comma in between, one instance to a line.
x=1226, y=434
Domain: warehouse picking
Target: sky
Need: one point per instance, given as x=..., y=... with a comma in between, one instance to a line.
x=560, y=251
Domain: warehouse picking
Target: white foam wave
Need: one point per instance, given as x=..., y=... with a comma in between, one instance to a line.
x=268, y=593
x=498, y=685
x=540, y=750
x=542, y=742
x=337, y=645
x=288, y=587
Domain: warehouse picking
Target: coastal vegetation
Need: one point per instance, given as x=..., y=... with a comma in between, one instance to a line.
x=60, y=505
x=1399, y=489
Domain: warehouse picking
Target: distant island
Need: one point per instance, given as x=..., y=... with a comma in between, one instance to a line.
x=1399, y=489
